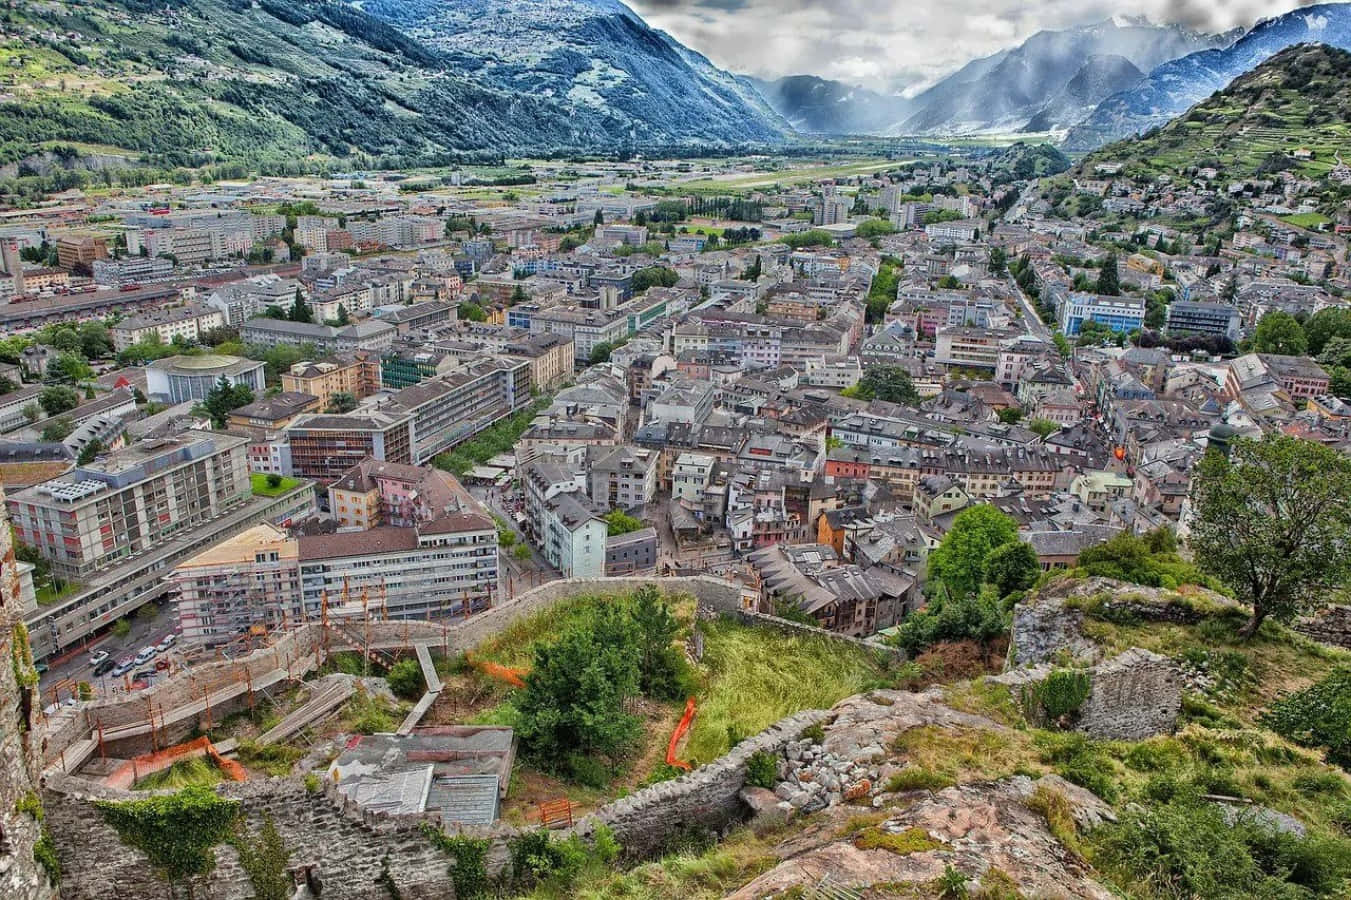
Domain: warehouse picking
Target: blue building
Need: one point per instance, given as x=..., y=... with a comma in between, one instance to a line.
x=1117, y=313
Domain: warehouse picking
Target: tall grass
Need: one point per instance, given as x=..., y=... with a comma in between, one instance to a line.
x=184, y=773
x=756, y=676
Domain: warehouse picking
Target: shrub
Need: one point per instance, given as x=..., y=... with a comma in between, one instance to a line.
x=1057, y=699
x=312, y=783
x=469, y=870
x=263, y=858
x=663, y=772
x=1318, y=716
x=588, y=771
x=816, y=733
x=762, y=769
x=978, y=618
x=44, y=854
x=405, y=679
x=1079, y=762
x=536, y=857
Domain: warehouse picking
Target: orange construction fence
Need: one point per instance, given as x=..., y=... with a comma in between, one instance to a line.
x=139, y=767
x=513, y=677
x=680, y=729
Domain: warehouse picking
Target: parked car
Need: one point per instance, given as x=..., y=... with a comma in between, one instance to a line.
x=146, y=654
x=143, y=675
x=169, y=640
x=104, y=667
x=98, y=657
x=123, y=666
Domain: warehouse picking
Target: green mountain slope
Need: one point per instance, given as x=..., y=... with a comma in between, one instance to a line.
x=191, y=82
x=1299, y=98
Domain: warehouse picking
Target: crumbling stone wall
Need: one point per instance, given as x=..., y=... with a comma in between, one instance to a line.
x=347, y=848
x=1132, y=696
x=1330, y=626
x=788, y=626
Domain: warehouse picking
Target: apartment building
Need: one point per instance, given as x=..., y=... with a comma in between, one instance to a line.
x=551, y=357
x=621, y=477
x=189, y=322
x=1186, y=317
x=445, y=568
x=375, y=493
x=130, y=500
x=357, y=374
x=969, y=347
x=324, y=447
x=370, y=335
x=240, y=301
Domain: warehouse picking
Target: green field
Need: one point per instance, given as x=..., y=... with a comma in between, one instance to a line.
x=1307, y=220
x=788, y=174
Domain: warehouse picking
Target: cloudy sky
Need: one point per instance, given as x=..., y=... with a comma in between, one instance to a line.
x=903, y=45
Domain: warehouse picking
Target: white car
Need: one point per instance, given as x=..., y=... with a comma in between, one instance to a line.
x=168, y=642
x=146, y=654
x=97, y=657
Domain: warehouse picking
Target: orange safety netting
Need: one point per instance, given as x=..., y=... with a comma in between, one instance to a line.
x=146, y=764
x=513, y=677
x=680, y=729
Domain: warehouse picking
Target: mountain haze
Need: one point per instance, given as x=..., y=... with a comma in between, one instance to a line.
x=819, y=106
x=1174, y=86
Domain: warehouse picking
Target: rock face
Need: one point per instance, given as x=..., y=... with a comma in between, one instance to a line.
x=976, y=828
x=1132, y=696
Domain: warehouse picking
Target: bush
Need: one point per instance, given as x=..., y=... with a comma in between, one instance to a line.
x=1079, y=762
x=914, y=778
x=816, y=733
x=588, y=771
x=536, y=857
x=979, y=618
x=405, y=679
x=762, y=769
x=1318, y=716
x=469, y=871
x=1187, y=847
x=1057, y=699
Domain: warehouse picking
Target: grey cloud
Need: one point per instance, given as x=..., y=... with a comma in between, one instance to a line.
x=893, y=46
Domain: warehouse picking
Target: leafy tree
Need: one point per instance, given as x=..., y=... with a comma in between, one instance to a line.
x=949, y=283
x=1010, y=416
x=889, y=383
x=574, y=696
x=1012, y=567
x=1109, y=284
x=58, y=429
x=601, y=352
x=654, y=276
x=95, y=340
x=1273, y=521
x=960, y=561
x=70, y=367
x=66, y=339
x=1279, y=332
x=999, y=261
x=7, y=385
x=58, y=398
x=341, y=402
x=472, y=312
x=977, y=618
x=90, y=452
x=225, y=397
x=1325, y=326
x=619, y=522
x=598, y=218
x=660, y=665
x=754, y=270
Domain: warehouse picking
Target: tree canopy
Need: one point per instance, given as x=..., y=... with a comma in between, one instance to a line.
x=1279, y=332
x=889, y=383
x=960, y=563
x=1272, y=521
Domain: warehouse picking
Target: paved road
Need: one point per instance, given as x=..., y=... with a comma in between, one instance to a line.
x=524, y=573
x=74, y=665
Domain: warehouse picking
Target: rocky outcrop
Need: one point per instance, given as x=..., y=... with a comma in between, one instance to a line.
x=989, y=831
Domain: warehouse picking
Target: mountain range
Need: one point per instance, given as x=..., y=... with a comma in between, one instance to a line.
x=1176, y=85
x=200, y=81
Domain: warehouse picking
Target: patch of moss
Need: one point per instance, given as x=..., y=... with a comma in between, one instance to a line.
x=914, y=778
x=902, y=843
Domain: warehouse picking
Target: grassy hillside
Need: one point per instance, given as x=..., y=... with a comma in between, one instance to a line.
x=1300, y=98
x=192, y=82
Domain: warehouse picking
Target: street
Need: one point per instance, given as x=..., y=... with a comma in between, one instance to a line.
x=73, y=666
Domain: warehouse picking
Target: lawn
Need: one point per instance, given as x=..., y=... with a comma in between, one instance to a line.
x=262, y=489
x=755, y=676
x=1307, y=220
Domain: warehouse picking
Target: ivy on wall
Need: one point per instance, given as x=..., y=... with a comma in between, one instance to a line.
x=177, y=832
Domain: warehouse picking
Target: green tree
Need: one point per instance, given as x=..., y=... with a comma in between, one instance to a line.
x=659, y=664
x=601, y=352
x=1109, y=284
x=1273, y=521
x=889, y=383
x=66, y=339
x=343, y=317
x=1010, y=415
x=754, y=270
x=472, y=312
x=518, y=295
x=95, y=340
x=58, y=398
x=999, y=261
x=1042, y=428
x=300, y=310
x=959, y=562
x=225, y=397
x=575, y=694
x=1325, y=326
x=70, y=367
x=1012, y=567
x=90, y=452
x=341, y=402
x=619, y=522
x=58, y=429
x=1279, y=332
